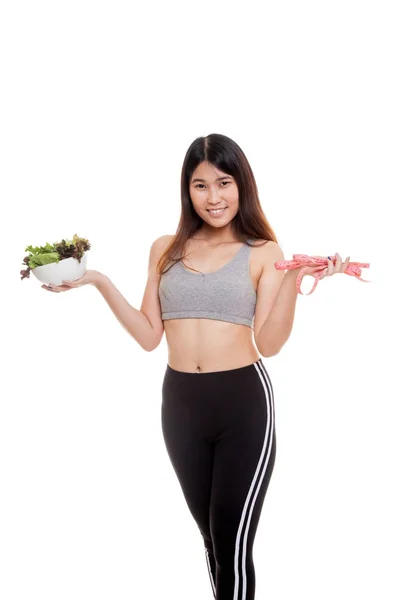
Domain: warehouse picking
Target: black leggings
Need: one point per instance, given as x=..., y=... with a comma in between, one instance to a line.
x=219, y=430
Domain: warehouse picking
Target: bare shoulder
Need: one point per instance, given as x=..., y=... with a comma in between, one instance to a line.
x=268, y=253
x=274, y=251
x=162, y=242
x=158, y=247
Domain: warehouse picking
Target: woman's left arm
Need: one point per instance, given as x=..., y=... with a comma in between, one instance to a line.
x=278, y=325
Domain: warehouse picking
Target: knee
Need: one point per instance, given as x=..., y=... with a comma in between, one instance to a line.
x=207, y=539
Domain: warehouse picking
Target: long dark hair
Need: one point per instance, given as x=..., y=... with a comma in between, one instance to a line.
x=250, y=221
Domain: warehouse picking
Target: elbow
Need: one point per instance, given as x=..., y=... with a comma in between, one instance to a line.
x=152, y=336
x=267, y=352
x=280, y=347
x=271, y=350
x=153, y=343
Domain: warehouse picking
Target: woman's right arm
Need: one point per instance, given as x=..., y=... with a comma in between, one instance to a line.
x=144, y=325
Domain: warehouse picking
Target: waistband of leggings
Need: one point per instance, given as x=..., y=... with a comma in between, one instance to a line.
x=232, y=372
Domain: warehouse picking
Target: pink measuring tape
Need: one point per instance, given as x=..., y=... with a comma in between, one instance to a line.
x=320, y=264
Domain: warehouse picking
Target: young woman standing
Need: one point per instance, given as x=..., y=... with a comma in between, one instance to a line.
x=214, y=290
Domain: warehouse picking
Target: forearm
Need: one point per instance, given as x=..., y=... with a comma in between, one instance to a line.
x=133, y=320
x=278, y=325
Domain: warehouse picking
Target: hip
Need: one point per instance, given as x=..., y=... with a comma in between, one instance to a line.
x=219, y=397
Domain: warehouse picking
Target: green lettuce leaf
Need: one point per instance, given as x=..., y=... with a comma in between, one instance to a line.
x=37, y=260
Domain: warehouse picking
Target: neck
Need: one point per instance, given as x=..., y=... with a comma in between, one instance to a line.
x=215, y=236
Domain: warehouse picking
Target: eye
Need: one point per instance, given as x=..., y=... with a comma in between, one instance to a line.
x=203, y=184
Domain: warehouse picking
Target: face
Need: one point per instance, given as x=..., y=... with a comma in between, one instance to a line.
x=211, y=188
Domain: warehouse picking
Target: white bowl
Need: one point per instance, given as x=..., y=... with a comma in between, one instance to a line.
x=67, y=268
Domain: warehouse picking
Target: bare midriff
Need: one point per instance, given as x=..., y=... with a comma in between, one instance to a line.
x=206, y=345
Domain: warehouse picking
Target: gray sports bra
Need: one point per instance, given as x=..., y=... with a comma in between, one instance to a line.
x=225, y=295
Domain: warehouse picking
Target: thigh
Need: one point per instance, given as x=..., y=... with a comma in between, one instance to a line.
x=191, y=453
x=243, y=464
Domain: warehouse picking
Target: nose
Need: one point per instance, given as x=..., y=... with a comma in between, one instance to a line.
x=214, y=196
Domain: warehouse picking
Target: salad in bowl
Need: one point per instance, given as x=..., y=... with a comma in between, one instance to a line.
x=54, y=263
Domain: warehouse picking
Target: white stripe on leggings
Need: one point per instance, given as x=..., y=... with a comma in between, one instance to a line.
x=210, y=573
x=268, y=438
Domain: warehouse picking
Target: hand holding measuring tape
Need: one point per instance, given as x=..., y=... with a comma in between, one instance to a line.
x=320, y=267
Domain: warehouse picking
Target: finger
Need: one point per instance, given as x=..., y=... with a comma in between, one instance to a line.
x=330, y=266
x=339, y=263
x=58, y=288
x=46, y=287
x=62, y=288
x=345, y=264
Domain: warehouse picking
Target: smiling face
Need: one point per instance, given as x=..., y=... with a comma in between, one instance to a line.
x=211, y=188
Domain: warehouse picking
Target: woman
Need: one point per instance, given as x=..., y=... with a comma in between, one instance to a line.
x=211, y=287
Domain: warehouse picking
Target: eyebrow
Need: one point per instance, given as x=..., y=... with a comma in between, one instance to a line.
x=218, y=179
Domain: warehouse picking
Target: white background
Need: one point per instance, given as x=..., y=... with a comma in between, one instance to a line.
x=99, y=103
